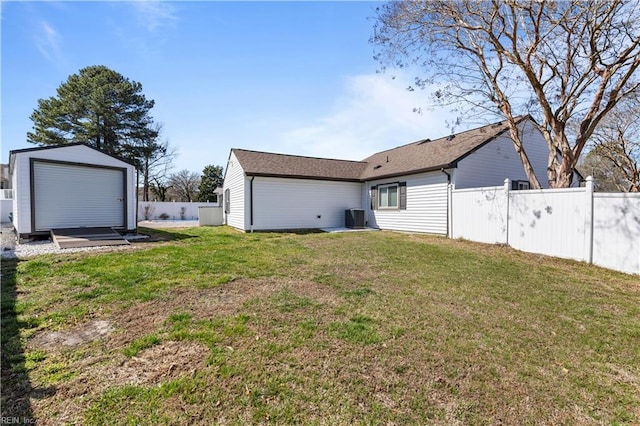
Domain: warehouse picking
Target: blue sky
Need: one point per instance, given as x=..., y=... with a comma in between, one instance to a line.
x=289, y=77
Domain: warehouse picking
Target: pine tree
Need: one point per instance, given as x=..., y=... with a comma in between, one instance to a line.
x=210, y=180
x=99, y=107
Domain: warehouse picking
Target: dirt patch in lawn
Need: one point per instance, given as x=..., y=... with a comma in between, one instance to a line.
x=87, y=332
x=222, y=301
x=93, y=353
x=94, y=374
x=162, y=362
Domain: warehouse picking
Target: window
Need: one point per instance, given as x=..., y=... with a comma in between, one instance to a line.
x=517, y=185
x=227, y=201
x=388, y=196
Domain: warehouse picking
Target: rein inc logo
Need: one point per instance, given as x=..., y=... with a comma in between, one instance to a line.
x=17, y=421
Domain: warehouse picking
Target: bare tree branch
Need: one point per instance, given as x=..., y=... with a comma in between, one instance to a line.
x=568, y=64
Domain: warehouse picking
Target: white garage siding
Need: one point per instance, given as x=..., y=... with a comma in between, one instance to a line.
x=426, y=205
x=78, y=155
x=97, y=198
x=234, y=188
x=284, y=203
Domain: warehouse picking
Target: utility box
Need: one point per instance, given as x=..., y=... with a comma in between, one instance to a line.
x=354, y=218
x=210, y=216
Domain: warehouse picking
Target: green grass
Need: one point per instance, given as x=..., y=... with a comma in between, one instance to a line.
x=141, y=344
x=354, y=328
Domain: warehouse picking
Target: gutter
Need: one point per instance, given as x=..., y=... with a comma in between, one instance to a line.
x=251, y=203
x=439, y=168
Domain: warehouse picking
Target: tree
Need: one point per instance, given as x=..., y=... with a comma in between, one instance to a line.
x=606, y=177
x=184, y=185
x=153, y=159
x=99, y=107
x=615, y=155
x=566, y=63
x=210, y=180
x=160, y=189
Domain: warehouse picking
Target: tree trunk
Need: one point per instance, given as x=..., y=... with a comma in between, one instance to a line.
x=145, y=181
x=564, y=177
x=517, y=143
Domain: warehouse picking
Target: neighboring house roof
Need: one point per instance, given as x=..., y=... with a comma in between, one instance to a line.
x=421, y=156
x=255, y=163
x=427, y=155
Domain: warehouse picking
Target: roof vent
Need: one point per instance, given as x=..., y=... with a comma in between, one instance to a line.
x=377, y=167
x=450, y=137
x=424, y=141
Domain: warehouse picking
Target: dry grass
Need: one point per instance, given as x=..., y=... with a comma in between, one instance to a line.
x=365, y=328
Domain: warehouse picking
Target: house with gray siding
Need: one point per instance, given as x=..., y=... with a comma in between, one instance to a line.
x=406, y=188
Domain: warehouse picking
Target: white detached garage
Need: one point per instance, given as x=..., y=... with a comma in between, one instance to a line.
x=71, y=186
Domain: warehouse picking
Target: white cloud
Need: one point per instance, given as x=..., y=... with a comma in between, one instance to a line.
x=48, y=42
x=154, y=14
x=375, y=113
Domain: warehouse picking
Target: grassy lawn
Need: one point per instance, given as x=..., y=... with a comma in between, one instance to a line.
x=215, y=326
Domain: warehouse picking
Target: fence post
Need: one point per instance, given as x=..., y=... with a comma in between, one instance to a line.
x=589, y=219
x=449, y=211
x=507, y=188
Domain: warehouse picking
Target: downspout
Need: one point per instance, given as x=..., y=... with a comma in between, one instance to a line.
x=137, y=186
x=251, y=203
x=449, y=203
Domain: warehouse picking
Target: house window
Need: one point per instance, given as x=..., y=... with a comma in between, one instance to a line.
x=518, y=185
x=388, y=196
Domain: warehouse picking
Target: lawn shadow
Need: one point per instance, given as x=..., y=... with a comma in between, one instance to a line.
x=16, y=385
x=158, y=235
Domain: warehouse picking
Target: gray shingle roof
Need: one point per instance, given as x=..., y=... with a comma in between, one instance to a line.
x=428, y=154
x=421, y=156
x=255, y=163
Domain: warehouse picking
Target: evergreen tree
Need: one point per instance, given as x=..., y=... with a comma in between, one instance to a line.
x=99, y=107
x=210, y=180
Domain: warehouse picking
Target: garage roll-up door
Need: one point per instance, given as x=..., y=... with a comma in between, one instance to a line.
x=73, y=196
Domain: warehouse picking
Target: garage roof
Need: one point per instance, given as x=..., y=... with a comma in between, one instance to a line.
x=43, y=148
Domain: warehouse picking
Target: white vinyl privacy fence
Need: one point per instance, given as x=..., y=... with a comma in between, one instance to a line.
x=573, y=223
x=156, y=210
x=6, y=210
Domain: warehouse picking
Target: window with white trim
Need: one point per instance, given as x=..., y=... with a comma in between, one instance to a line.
x=388, y=196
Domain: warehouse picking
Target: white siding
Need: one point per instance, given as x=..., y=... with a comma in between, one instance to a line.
x=426, y=205
x=616, y=231
x=21, y=179
x=236, y=182
x=498, y=160
x=21, y=202
x=281, y=203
